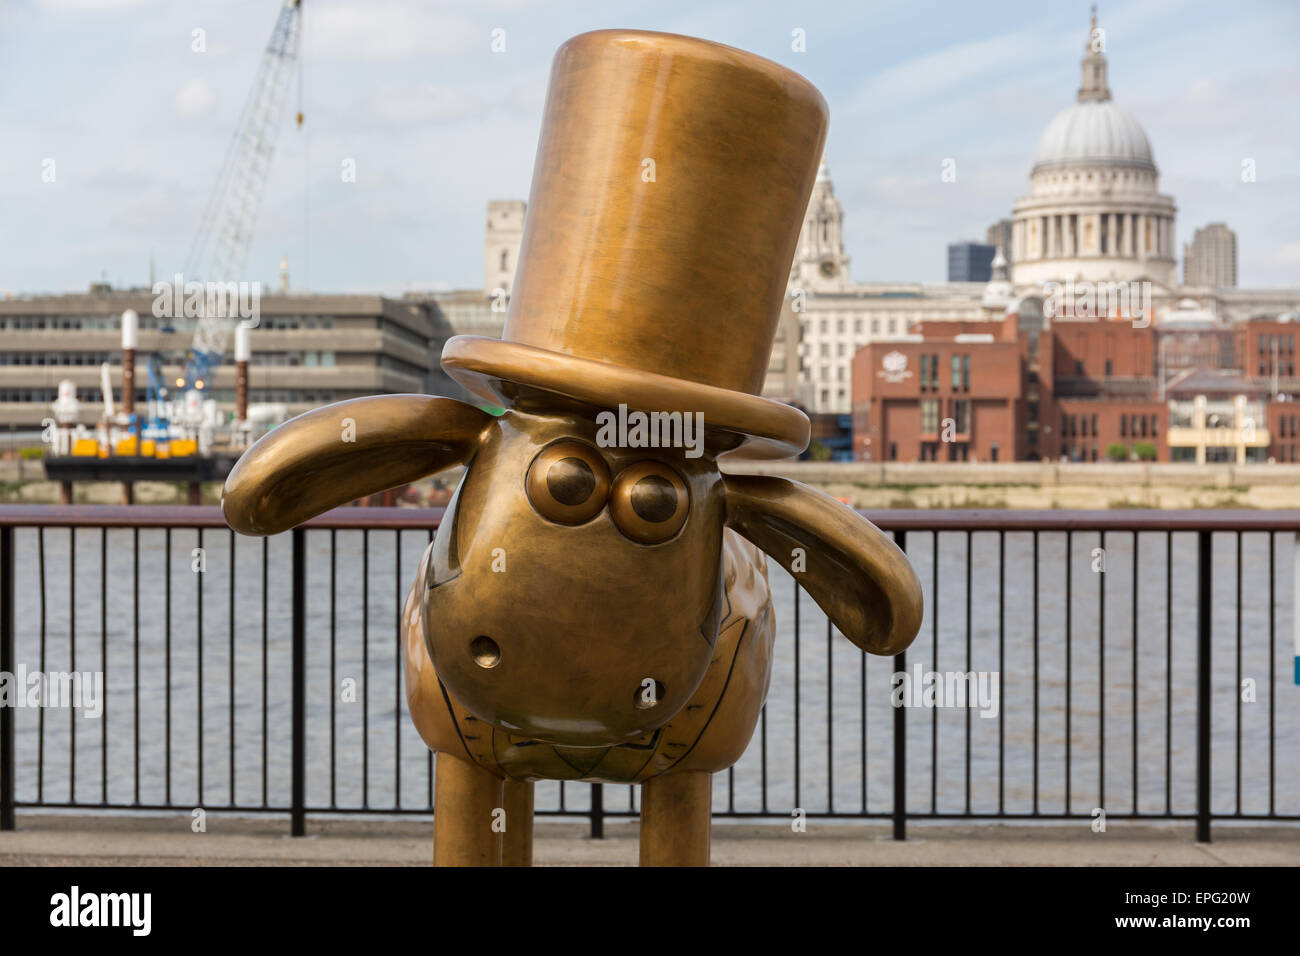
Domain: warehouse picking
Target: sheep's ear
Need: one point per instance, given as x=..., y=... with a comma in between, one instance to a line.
x=338, y=453
x=854, y=572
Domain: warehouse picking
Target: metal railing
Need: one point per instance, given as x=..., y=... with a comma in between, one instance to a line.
x=282, y=658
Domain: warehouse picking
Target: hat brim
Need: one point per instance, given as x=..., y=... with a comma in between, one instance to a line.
x=511, y=374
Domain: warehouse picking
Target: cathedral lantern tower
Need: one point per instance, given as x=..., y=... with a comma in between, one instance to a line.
x=819, y=261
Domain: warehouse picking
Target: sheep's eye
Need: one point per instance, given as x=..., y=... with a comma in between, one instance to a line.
x=568, y=482
x=649, y=502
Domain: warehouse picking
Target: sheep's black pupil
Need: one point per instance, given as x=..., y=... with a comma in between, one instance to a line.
x=570, y=481
x=654, y=498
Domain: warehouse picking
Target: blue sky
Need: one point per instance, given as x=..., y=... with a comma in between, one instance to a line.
x=137, y=124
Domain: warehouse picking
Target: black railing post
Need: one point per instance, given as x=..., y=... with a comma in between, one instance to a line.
x=900, y=758
x=900, y=734
x=299, y=677
x=1203, y=622
x=7, y=667
x=597, y=811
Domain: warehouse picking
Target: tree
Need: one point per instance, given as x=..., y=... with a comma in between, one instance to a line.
x=1145, y=451
x=1117, y=452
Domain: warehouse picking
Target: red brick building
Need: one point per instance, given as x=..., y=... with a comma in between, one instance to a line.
x=953, y=393
x=1080, y=390
x=1098, y=389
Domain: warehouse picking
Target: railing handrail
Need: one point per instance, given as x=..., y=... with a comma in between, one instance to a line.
x=892, y=519
x=202, y=516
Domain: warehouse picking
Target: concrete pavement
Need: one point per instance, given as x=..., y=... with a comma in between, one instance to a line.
x=52, y=839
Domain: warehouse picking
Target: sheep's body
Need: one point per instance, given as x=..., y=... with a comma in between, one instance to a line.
x=708, y=734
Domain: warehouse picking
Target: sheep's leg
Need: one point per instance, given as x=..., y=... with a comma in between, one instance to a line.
x=517, y=841
x=675, y=819
x=465, y=799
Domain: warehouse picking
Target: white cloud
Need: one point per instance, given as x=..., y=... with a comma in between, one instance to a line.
x=384, y=29
x=1287, y=255
x=195, y=98
x=959, y=66
x=92, y=5
x=425, y=103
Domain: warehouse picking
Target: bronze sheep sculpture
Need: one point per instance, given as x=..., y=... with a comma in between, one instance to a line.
x=595, y=603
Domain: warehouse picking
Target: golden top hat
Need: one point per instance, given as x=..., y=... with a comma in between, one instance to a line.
x=671, y=180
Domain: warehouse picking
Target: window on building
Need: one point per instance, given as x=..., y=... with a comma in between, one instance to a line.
x=893, y=326
x=839, y=326
x=956, y=372
x=893, y=451
x=1123, y=426
x=857, y=326
x=875, y=326
x=930, y=416
x=1094, y=429
x=925, y=369
x=1108, y=367
x=934, y=372
x=965, y=373
x=961, y=416
x=993, y=452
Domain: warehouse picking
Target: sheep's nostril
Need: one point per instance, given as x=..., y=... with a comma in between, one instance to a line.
x=648, y=694
x=485, y=652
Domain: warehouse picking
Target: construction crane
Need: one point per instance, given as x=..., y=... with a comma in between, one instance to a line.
x=181, y=431
x=225, y=232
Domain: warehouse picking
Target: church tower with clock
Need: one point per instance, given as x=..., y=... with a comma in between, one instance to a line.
x=820, y=263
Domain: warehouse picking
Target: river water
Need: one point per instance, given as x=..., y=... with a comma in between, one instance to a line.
x=845, y=758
